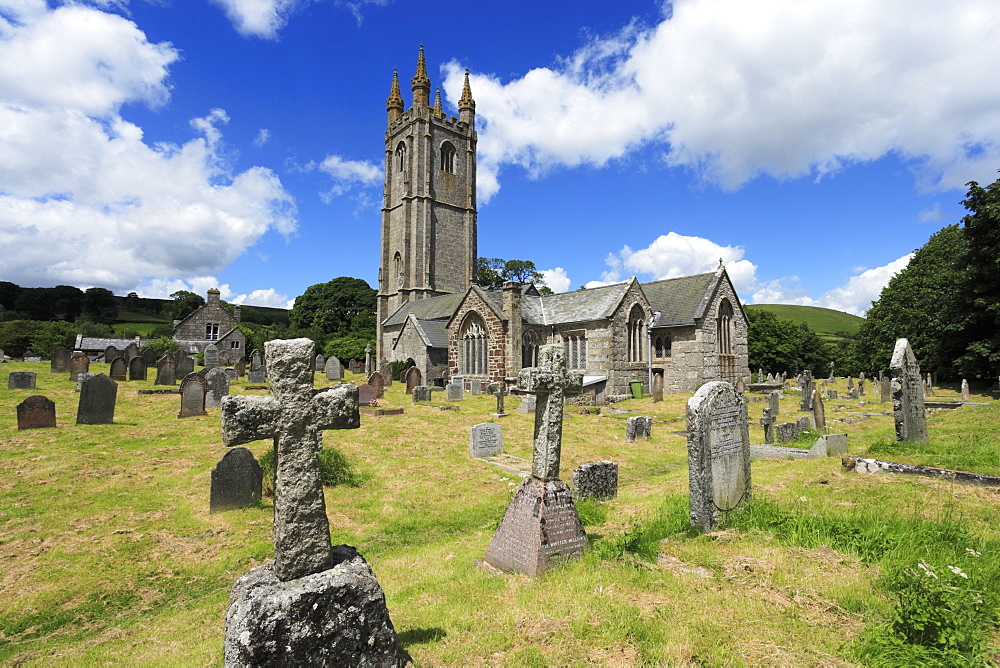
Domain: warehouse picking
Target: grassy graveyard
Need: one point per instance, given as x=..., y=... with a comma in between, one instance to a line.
x=108, y=554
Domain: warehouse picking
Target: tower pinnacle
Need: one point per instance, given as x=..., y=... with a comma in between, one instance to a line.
x=421, y=83
x=466, y=105
x=394, y=105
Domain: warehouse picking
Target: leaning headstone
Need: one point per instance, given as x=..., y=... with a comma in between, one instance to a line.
x=97, y=401
x=907, y=397
x=60, y=360
x=413, y=378
x=314, y=604
x=211, y=356
x=718, y=453
x=596, y=480
x=137, y=368
x=485, y=440
x=218, y=387
x=78, y=363
x=149, y=355
x=366, y=394
x=965, y=390
x=421, y=393
x=333, y=369
x=657, y=388
x=21, y=380
x=527, y=405
x=131, y=350
x=166, y=370
x=193, y=389
x=237, y=481
x=638, y=427
x=542, y=525
x=258, y=375
x=767, y=421
x=119, y=369
x=110, y=353
x=320, y=363
x=377, y=384
x=819, y=412
x=185, y=365
x=454, y=392
x=36, y=412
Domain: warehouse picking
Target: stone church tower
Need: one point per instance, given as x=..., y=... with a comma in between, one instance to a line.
x=429, y=209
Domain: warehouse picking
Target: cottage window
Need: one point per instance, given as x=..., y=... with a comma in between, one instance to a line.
x=212, y=331
x=473, y=346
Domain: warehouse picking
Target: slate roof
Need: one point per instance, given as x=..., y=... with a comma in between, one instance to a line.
x=432, y=308
x=94, y=343
x=680, y=301
x=433, y=333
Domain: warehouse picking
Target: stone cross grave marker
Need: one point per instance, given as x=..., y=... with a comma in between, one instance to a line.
x=907, y=395
x=333, y=369
x=166, y=370
x=137, y=368
x=218, y=387
x=369, y=364
x=657, y=387
x=638, y=426
x=807, y=388
x=294, y=418
x=819, y=412
x=60, y=360
x=21, y=380
x=377, y=383
x=413, y=378
x=596, y=480
x=542, y=525
x=119, y=369
x=211, y=356
x=78, y=363
x=36, y=412
x=193, y=389
x=485, y=440
x=718, y=453
x=237, y=481
x=131, y=350
x=500, y=393
x=97, y=401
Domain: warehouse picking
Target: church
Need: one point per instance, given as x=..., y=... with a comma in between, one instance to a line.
x=687, y=330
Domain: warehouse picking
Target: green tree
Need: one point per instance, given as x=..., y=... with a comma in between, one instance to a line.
x=16, y=335
x=775, y=344
x=100, y=305
x=9, y=292
x=185, y=303
x=51, y=335
x=163, y=345
x=492, y=272
x=981, y=228
x=342, y=306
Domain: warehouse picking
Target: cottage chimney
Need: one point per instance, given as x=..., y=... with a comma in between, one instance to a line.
x=238, y=313
x=213, y=297
x=512, y=312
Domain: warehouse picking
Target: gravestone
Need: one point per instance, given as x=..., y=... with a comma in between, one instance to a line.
x=786, y=432
x=149, y=355
x=333, y=369
x=21, y=380
x=241, y=367
x=377, y=383
x=83, y=378
x=36, y=412
x=218, y=387
x=770, y=378
x=807, y=389
x=230, y=373
x=421, y=393
x=861, y=386
x=211, y=356
x=774, y=403
x=60, y=360
x=258, y=375
x=386, y=372
x=907, y=396
x=110, y=353
x=485, y=440
x=458, y=380
x=131, y=350
x=315, y=604
x=369, y=363
x=819, y=412
x=500, y=392
x=78, y=363
x=527, y=405
x=166, y=370
x=596, y=480
x=193, y=389
x=413, y=378
x=320, y=363
x=831, y=394
x=965, y=390
x=256, y=359
x=97, y=401
x=638, y=427
x=185, y=365
x=850, y=383
x=853, y=394
x=137, y=368
x=542, y=525
x=475, y=387
x=352, y=365
x=741, y=385
x=366, y=394
x=718, y=453
x=767, y=421
x=760, y=375
x=236, y=481
x=119, y=369
x=454, y=392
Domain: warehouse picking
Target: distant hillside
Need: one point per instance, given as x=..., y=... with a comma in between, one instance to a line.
x=824, y=321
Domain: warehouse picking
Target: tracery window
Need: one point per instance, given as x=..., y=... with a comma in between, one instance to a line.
x=576, y=350
x=636, y=330
x=400, y=156
x=529, y=350
x=724, y=341
x=473, y=346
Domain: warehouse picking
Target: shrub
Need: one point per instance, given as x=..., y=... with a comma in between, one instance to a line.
x=334, y=469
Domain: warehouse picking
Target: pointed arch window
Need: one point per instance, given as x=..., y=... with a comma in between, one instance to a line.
x=397, y=270
x=724, y=341
x=529, y=350
x=448, y=157
x=400, y=156
x=575, y=344
x=473, y=346
x=636, y=329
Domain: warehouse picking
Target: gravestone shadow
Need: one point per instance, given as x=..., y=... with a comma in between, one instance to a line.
x=420, y=636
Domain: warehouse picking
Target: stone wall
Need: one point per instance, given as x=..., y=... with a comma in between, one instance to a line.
x=496, y=334
x=433, y=363
x=192, y=328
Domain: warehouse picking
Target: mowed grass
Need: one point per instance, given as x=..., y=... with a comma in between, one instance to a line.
x=108, y=554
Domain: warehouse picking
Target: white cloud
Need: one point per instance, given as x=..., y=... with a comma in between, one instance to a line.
x=263, y=136
x=258, y=18
x=556, y=279
x=83, y=199
x=346, y=174
x=200, y=285
x=732, y=90
x=932, y=215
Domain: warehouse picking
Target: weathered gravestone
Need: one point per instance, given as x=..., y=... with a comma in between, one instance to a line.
x=36, y=412
x=454, y=392
x=786, y=432
x=638, y=427
x=366, y=394
x=193, y=389
x=819, y=412
x=413, y=378
x=333, y=369
x=83, y=378
x=767, y=421
x=596, y=480
x=861, y=386
x=831, y=394
x=119, y=369
x=907, y=395
x=110, y=353
x=320, y=363
x=352, y=365
x=657, y=389
x=256, y=359
x=166, y=370
x=807, y=389
x=258, y=375
x=315, y=604
x=237, y=481
x=21, y=380
x=385, y=370
x=965, y=390
x=421, y=393
x=137, y=368
x=542, y=525
x=741, y=385
x=149, y=355
x=527, y=405
x=500, y=392
x=185, y=365
x=131, y=350
x=850, y=383
x=78, y=363
x=211, y=356
x=377, y=384
x=241, y=367
x=774, y=403
x=369, y=363
x=60, y=360
x=97, y=401
x=218, y=387
x=718, y=453
x=475, y=387
x=485, y=440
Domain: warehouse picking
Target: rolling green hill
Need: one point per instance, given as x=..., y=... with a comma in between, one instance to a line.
x=824, y=321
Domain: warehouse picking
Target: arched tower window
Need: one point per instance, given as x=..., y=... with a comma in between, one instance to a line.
x=636, y=329
x=724, y=341
x=529, y=350
x=400, y=156
x=448, y=157
x=472, y=346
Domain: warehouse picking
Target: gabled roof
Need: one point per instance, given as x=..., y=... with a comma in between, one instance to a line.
x=433, y=333
x=681, y=301
x=198, y=310
x=94, y=343
x=441, y=307
x=578, y=306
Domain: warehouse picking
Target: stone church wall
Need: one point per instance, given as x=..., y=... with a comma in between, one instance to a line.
x=619, y=370
x=496, y=336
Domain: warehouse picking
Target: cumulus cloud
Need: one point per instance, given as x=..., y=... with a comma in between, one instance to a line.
x=346, y=175
x=200, y=285
x=556, y=279
x=733, y=90
x=258, y=18
x=83, y=199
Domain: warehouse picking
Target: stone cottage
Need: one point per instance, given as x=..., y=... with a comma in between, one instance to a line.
x=212, y=323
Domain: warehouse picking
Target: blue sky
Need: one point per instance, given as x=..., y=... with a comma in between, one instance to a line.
x=238, y=144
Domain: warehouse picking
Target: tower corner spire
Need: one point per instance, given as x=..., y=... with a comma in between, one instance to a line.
x=394, y=105
x=420, y=83
x=466, y=105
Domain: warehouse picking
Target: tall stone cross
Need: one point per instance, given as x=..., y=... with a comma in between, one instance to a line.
x=294, y=417
x=501, y=393
x=551, y=383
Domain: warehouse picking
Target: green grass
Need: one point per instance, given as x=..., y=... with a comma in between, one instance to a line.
x=825, y=322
